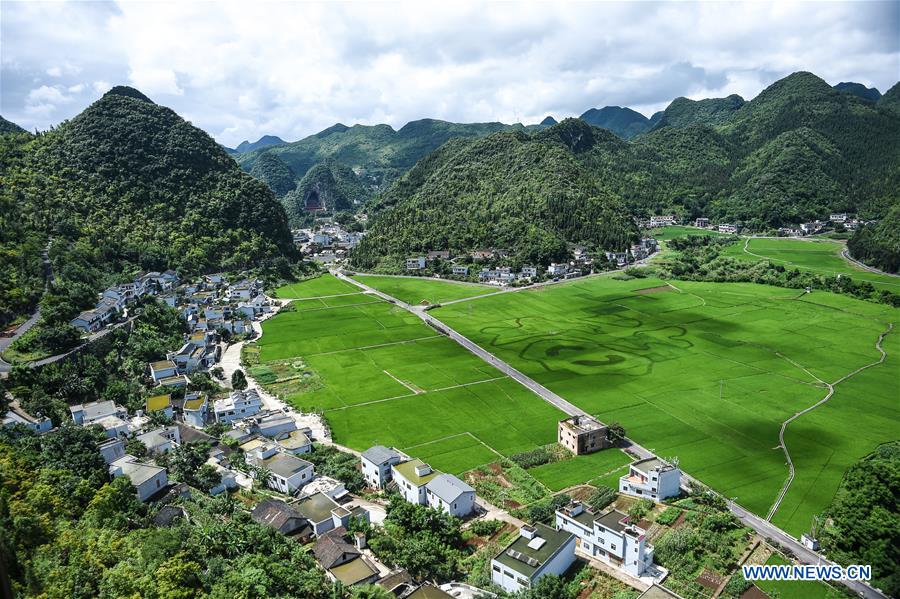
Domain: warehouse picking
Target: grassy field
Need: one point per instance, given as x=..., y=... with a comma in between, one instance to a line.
x=666, y=233
x=382, y=376
x=707, y=372
x=322, y=285
x=417, y=290
x=820, y=256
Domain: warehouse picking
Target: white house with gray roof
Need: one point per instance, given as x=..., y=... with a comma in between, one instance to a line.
x=147, y=479
x=651, y=478
x=411, y=478
x=287, y=473
x=537, y=551
x=376, y=465
x=89, y=413
x=449, y=494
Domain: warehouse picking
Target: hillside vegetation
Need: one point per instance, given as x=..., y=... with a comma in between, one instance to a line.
x=529, y=194
x=127, y=185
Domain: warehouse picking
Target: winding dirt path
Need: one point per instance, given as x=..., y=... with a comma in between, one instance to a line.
x=830, y=386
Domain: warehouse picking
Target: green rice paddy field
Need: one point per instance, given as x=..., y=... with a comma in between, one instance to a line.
x=323, y=285
x=707, y=372
x=417, y=290
x=388, y=378
x=820, y=256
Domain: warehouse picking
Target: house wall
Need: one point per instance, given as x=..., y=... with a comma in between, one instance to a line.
x=152, y=485
x=410, y=492
x=194, y=418
x=460, y=508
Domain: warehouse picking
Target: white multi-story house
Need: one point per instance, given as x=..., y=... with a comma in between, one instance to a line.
x=460, y=271
x=528, y=272
x=417, y=263
x=662, y=221
x=146, y=479
x=92, y=412
x=701, y=222
x=160, y=403
x=238, y=405
x=195, y=409
x=652, y=478
x=162, y=370
x=502, y=275
x=161, y=440
x=411, y=478
x=449, y=494
x=609, y=537
x=287, y=473
x=537, y=551
x=840, y=217
x=728, y=228
x=557, y=270
x=376, y=465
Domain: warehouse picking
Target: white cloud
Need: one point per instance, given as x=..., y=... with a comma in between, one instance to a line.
x=291, y=69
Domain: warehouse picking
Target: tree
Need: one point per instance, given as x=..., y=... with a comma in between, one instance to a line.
x=239, y=380
x=135, y=447
x=615, y=433
x=4, y=400
x=640, y=509
x=371, y=591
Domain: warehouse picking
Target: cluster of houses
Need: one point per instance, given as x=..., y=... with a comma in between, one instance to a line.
x=209, y=306
x=389, y=469
x=114, y=300
x=326, y=243
x=582, y=263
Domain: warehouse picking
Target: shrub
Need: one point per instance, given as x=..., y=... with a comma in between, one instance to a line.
x=668, y=516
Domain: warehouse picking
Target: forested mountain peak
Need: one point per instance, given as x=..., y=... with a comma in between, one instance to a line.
x=859, y=90
x=891, y=98
x=336, y=128
x=128, y=92
x=9, y=127
x=683, y=112
x=574, y=134
x=623, y=121
x=266, y=141
x=548, y=121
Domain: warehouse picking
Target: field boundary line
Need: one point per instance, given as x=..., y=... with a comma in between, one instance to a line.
x=368, y=403
x=415, y=390
x=377, y=345
x=438, y=440
x=829, y=395
x=303, y=299
x=496, y=378
x=339, y=307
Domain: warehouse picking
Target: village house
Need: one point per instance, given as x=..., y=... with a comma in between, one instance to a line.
x=91, y=321
x=317, y=510
x=651, y=478
x=701, y=222
x=287, y=473
x=162, y=369
x=537, y=551
x=160, y=403
x=160, y=440
x=411, y=478
x=609, y=537
x=728, y=228
x=839, y=217
x=376, y=463
x=89, y=413
x=662, y=221
x=417, y=263
x=482, y=254
x=449, y=494
x=238, y=405
x=638, y=252
x=112, y=449
x=179, y=381
x=281, y=517
x=582, y=434
x=147, y=479
x=502, y=276
x=528, y=272
x=342, y=561
x=620, y=258
x=269, y=424
x=438, y=255
x=195, y=409
x=296, y=442
x=17, y=416
x=460, y=270
x=810, y=228
x=557, y=269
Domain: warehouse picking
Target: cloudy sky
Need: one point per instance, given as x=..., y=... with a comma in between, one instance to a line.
x=241, y=70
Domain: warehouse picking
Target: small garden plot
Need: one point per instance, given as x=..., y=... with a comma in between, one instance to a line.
x=505, y=485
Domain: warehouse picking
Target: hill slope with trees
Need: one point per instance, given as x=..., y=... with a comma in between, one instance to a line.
x=129, y=185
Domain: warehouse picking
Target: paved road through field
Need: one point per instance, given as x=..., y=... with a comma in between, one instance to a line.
x=760, y=525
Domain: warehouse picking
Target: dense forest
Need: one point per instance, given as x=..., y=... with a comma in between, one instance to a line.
x=864, y=518
x=525, y=193
x=798, y=151
x=329, y=186
x=133, y=186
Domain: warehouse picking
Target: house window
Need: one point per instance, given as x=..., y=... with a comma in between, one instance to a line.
x=496, y=568
x=522, y=581
x=613, y=546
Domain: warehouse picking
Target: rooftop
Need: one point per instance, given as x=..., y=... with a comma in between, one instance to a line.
x=448, y=487
x=286, y=465
x=650, y=464
x=612, y=520
x=162, y=364
x=137, y=472
x=408, y=471
x=316, y=508
x=194, y=403
x=159, y=402
x=294, y=440
x=529, y=557
x=582, y=424
x=353, y=572
x=426, y=591
x=379, y=454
